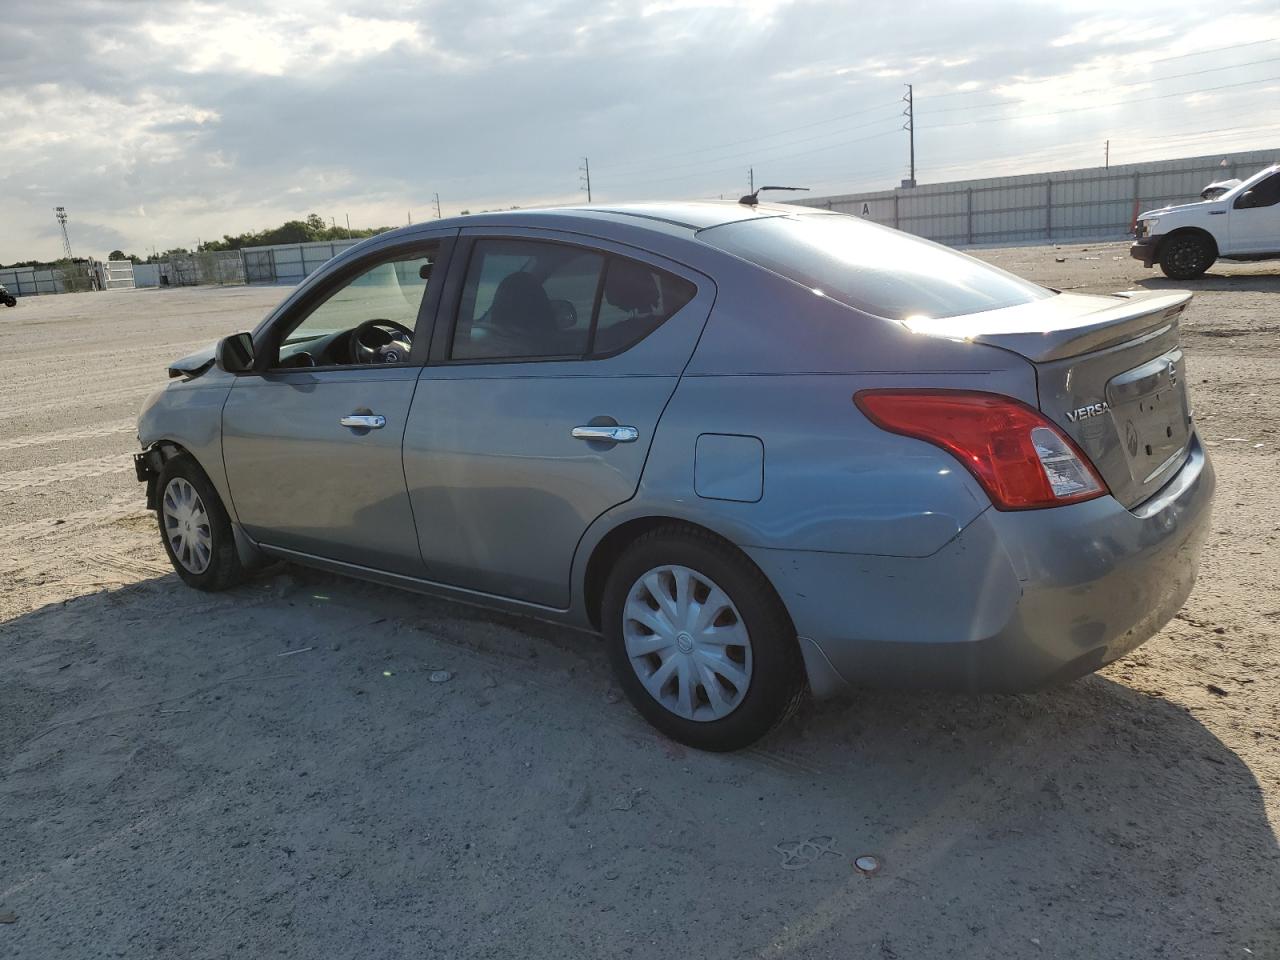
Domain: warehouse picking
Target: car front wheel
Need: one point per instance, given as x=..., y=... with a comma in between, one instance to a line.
x=1186, y=256
x=195, y=528
x=700, y=641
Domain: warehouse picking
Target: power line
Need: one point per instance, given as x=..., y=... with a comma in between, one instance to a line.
x=754, y=154
x=765, y=136
x=830, y=146
x=1199, y=53
x=1133, y=83
x=1180, y=56
x=636, y=165
x=1102, y=106
x=1056, y=150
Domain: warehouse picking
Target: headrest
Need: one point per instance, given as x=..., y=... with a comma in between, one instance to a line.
x=630, y=287
x=521, y=302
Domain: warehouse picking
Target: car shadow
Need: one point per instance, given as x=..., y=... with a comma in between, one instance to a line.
x=326, y=767
x=1219, y=279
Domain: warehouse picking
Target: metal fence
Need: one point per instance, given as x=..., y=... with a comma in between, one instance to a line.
x=1095, y=203
x=208, y=267
x=117, y=275
x=32, y=281
x=289, y=262
x=64, y=277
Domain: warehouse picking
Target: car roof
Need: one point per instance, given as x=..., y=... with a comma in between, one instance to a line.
x=692, y=215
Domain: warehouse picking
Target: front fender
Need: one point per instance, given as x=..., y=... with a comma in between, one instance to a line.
x=188, y=414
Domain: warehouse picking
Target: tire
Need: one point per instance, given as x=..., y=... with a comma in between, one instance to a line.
x=10, y=302
x=1186, y=256
x=724, y=716
x=205, y=556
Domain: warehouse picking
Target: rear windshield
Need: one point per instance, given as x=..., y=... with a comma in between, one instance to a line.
x=873, y=268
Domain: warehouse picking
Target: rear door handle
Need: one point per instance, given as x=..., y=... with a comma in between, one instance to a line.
x=364, y=421
x=607, y=434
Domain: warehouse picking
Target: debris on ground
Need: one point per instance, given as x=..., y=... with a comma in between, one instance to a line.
x=867, y=864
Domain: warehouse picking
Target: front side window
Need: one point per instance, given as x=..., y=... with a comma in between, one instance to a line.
x=872, y=268
x=1264, y=194
x=368, y=319
x=528, y=299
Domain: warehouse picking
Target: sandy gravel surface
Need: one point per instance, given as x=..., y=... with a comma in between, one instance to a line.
x=272, y=771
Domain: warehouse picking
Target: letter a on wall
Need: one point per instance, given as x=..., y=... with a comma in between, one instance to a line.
x=866, y=209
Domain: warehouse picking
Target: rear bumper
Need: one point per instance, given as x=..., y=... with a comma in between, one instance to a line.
x=1015, y=602
x=1144, y=249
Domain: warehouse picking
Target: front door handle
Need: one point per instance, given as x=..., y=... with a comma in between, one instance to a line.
x=607, y=434
x=364, y=421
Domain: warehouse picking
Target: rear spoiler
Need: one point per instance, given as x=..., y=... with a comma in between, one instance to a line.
x=1067, y=325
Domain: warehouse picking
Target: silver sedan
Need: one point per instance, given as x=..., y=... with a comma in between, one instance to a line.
x=761, y=449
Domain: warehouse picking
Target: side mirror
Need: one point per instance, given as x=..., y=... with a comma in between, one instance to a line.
x=235, y=353
x=1245, y=200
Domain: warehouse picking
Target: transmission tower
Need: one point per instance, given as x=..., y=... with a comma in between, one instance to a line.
x=61, y=214
x=585, y=179
x=910, y=127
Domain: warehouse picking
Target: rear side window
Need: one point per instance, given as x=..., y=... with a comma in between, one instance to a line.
x=528, y=300
x=873, y=268
x=637, y=300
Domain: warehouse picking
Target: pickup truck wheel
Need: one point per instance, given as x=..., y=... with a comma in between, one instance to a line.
x=1186, y=256
x=195, y=528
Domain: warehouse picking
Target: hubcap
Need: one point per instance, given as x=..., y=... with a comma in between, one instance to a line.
x=687, y=643
x=186, y=525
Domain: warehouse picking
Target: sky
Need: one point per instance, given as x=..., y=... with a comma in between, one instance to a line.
x=161, y=124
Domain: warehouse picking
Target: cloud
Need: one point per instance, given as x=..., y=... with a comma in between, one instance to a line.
x=206, y=38
x=158, y=125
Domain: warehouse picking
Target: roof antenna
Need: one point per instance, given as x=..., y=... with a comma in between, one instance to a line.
x=751, y=199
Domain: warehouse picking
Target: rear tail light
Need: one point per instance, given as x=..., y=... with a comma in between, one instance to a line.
x=1021, y=459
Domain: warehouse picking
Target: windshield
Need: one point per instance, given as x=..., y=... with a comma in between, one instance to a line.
x=873, y=268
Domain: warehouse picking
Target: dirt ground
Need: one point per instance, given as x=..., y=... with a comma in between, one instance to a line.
x=272, y=771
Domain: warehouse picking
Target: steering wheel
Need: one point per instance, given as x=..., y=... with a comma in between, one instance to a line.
x=380, y=341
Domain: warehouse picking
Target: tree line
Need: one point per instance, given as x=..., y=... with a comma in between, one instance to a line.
x=310, y=230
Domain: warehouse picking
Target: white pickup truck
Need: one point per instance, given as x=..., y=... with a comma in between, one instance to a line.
x=1241, y=224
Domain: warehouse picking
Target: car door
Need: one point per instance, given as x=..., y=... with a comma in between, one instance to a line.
x=312, y=438
x=1255, y=218
x=537, y=410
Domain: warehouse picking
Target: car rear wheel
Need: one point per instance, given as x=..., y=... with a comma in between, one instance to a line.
x=700, y=641
x=195, y=528
x=1186, y=256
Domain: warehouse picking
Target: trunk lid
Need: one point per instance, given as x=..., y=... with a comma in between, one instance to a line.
x=1110, y=372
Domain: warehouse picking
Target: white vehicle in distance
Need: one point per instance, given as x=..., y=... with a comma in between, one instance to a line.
x=1243, y=223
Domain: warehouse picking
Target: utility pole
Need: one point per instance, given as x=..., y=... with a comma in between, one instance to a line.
x=61, y=214
x=584, y=180
x=751, y=180
x=910, y=127
x=348, y=226
x=408, y=217
x=438, y=214
x=1107, y=156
